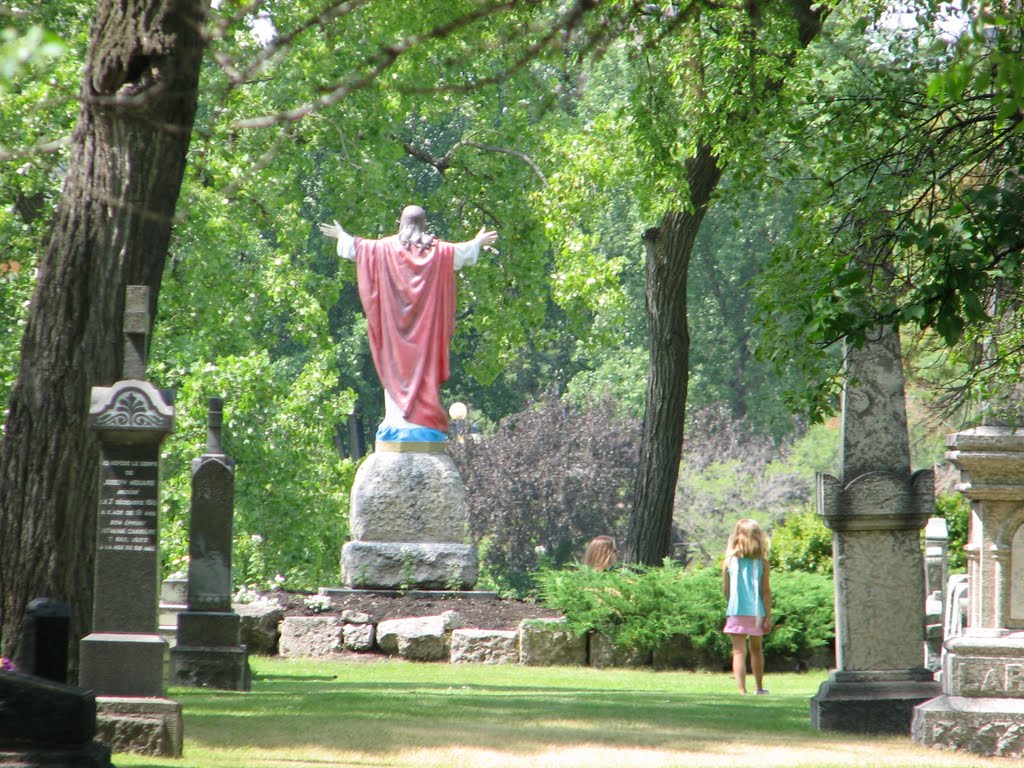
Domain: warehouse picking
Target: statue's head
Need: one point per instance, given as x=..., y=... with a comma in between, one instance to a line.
x=412, y=227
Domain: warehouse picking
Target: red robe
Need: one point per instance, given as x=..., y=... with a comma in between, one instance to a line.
x=408, y=295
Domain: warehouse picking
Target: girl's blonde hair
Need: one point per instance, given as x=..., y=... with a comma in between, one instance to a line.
x=600, y=553
x=746, y=540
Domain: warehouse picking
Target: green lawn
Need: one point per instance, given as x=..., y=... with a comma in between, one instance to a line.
x=304, y=713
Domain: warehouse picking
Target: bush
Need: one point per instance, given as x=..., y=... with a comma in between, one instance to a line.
x=802, y=543
x=956, y=510
x=543, y=484
x=643, y=608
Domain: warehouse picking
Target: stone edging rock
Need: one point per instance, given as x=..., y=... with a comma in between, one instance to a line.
x=443, y=638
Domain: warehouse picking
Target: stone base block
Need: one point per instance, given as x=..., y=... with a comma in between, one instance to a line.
x=872, y=704
x=359, y=637
x=147, y=726
x=484, y=646
x=205, y=628
x=211, y=667
x=123, y=664
x=44, y=724
x=399, y=495
x=548, y=642
x=423, y=638
x=409, y=565
x=260, y=626
x=984, y=726
x=601, y=652
x=984, y=666
x=310, y=636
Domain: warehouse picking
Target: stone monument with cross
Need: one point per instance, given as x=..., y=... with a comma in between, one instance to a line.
x=122, y=659
x=981, y=709
x=876, y=511
x=209, y=652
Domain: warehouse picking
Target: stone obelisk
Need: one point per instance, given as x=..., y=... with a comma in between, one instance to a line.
x=876, y=511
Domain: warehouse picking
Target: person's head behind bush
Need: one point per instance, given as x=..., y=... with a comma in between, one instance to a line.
x=600, y=553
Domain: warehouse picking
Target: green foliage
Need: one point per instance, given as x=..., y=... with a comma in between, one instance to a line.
x=913, y=216
x=956, y=510
x=291, y=490
x=730, y=471
x=641, y=607
x=802, y=543
x=804, y=614
x=644, y=607
x=36, y=47
x=543, y=484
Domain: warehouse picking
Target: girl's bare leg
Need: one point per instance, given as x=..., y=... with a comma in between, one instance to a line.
x=757, y=661
x=739, y=661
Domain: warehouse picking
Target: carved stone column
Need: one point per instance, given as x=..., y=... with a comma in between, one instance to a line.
x=982, y=706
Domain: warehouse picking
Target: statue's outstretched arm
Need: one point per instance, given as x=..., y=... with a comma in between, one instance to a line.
x=466, y=253
x=346, y=243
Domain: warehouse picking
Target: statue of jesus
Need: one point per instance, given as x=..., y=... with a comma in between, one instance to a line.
x=407, y=288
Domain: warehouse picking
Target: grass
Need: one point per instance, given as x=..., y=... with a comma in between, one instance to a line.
x=310, y=714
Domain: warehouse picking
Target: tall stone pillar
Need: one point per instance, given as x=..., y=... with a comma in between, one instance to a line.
x=981, y=709
x=876, y=511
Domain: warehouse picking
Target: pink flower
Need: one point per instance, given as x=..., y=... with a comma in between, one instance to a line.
x=6, y=665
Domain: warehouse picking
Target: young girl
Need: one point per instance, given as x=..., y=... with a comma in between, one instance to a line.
x=746, y=587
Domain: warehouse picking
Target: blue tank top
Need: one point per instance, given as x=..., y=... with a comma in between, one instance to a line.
x=745, y=587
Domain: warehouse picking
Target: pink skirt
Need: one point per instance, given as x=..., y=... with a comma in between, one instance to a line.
x=744, y=625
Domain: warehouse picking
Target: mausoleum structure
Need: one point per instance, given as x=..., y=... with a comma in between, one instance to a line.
x=981, y=708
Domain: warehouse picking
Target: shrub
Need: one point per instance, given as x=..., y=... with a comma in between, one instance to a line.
x=956, y=510
x=543, y=484
x=643, y=608
x=802, y=543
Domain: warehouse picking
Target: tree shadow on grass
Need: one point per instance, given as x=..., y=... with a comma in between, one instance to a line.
x=382, y=717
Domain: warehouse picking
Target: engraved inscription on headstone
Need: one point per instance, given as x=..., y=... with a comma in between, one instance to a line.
x=128, y=501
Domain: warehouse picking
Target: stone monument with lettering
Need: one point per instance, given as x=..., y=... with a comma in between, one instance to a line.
x=208, y=651
x=876, y=511
x=981, y=708
x=122, y=660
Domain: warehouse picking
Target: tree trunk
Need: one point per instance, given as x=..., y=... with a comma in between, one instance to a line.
x=649, y=539
x=111, y=229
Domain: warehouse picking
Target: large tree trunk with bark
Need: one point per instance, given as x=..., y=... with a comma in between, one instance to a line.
x=649, y=539
x=112, y=228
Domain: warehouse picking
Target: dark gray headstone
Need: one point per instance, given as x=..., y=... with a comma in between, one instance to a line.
x=123, y=657
x=44, y=723
x=45, y=647
x=208, y=651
